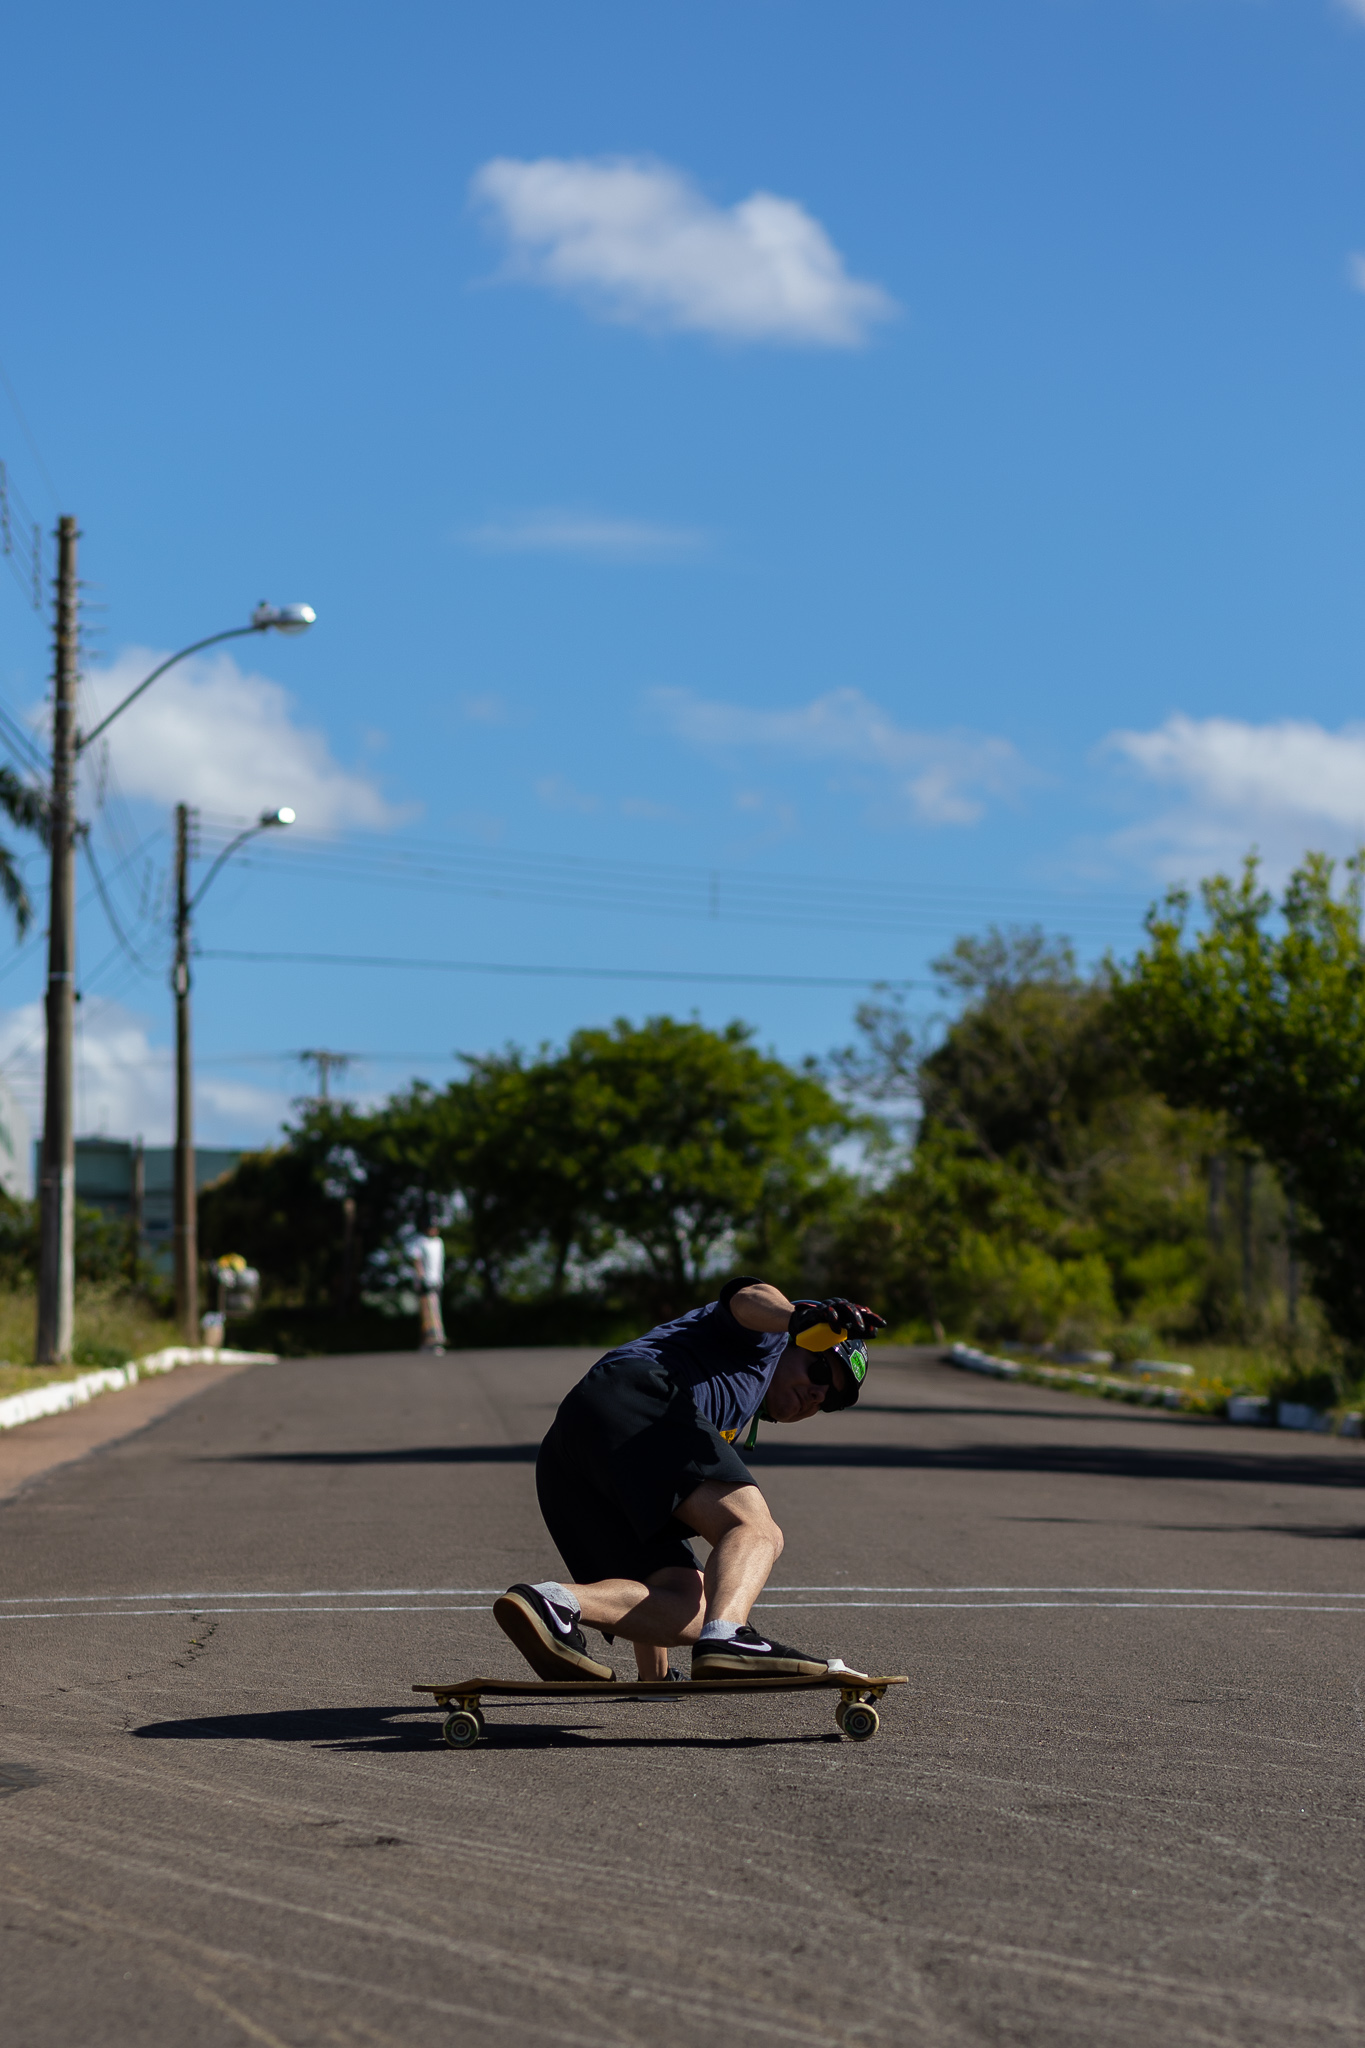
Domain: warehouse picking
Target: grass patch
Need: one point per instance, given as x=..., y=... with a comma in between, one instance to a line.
x=112, y=1326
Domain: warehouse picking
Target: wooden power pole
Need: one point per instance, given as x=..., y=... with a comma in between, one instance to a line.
x=186, y=1233
x=57, y=1181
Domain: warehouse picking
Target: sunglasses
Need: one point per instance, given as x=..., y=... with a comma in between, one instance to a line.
x=820, y=1368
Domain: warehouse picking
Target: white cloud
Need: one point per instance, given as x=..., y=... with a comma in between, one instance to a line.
x=641, y=244
x=1355, y=262
x=125, y=1085
x=559, y=794
x=489, y=709
x=942, y=777
x=1284, y=787
x=586, y=533
x=1355, y=7
x=211, y=735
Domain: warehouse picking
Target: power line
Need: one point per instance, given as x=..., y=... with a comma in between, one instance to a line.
x=712, y=894
x=29, y=436
x=571, y=973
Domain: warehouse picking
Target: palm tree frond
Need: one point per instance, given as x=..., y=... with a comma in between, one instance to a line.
x=13, y=890
x=24, y=805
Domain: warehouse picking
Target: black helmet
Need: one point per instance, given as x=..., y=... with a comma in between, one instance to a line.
x=852, y=1354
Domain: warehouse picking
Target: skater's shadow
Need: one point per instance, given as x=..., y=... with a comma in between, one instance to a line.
x=380, y=1730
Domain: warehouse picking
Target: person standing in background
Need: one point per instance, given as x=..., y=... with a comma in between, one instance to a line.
x=429, y=1259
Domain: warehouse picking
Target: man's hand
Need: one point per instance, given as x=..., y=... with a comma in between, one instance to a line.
x=819, y=1325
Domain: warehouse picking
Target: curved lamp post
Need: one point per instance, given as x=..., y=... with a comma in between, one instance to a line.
x=185, y=1234
x=57, y=1179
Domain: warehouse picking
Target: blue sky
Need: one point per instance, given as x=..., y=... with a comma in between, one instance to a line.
x=969, y=523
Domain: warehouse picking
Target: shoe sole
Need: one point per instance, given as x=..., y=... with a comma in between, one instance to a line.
x=738, y=1666
x=519, y=1621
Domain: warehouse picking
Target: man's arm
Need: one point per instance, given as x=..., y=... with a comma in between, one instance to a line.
x=760, y=1307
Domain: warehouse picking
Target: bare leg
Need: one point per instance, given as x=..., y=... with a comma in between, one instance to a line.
x=651, y=1660
x=745, y=1545
x=667, y=1610
x=670, y=1609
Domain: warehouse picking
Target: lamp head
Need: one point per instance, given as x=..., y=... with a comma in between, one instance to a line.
x=283, y=816
x=283, y=618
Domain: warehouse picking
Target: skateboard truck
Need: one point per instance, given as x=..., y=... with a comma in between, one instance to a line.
x=855, y=1716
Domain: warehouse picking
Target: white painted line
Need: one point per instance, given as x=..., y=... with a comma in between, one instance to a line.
x=999, y=1606
x=1183, y=1606
x=1131, y=1595
x=340, y=1593
x=1207, y=1592
x=196, y=1613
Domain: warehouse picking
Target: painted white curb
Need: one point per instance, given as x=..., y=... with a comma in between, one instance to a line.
x=1256, y=1409
x=973, y=1360
x=58, y=1395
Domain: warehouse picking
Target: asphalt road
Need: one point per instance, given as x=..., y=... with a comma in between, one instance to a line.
x=1121, y=1800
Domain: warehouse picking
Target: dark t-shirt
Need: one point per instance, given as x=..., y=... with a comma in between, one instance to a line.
x=725, y=1367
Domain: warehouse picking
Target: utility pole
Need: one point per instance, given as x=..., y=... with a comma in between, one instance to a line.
x=186, y=1221
x=57, y=1184
x=326, y=1063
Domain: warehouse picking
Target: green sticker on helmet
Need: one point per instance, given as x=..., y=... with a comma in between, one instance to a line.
x=857, y=1362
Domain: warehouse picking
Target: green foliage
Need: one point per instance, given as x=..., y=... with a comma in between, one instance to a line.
x=638, y=1157
x=101, y=1244
x=1264, y=1026
x=26, y=807
x=1049, y=1191
x=972, y=1244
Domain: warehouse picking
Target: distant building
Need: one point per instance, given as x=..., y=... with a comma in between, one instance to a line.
x=120, y=1178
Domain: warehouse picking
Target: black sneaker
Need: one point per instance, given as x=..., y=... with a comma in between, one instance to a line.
x=548, y=1637
x=747, y=1654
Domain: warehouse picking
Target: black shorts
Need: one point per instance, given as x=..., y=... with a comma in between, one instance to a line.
x=626, y=1447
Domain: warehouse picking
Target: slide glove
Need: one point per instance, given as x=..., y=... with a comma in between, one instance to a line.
x=820, y=1325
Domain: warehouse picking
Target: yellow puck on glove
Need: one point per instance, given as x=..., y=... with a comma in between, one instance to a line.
x=820, y=1337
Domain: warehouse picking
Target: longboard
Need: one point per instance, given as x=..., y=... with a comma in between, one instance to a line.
x=855, y=1716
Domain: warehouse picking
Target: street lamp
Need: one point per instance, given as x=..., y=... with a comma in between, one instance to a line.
x=57, y=1179
x=185, y=1234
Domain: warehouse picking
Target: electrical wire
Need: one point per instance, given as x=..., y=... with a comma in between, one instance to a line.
x=714, y=895
x=28, y=755
x=109, y=911
x=571, y=973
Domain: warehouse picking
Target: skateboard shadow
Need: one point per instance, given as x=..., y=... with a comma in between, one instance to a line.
x=386, y=1730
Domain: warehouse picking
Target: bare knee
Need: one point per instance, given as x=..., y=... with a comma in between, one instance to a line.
x=716, y=1511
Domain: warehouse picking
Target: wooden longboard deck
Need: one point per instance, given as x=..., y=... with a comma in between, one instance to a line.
x=649, y=1688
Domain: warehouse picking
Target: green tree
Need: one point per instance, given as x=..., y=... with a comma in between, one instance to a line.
x=1048, y=1189
x=652, y=1151
x=1262, y=1023
x=692, y=1143
x=27, y=808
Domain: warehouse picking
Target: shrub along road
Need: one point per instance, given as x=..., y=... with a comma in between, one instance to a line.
x=1121, y=1800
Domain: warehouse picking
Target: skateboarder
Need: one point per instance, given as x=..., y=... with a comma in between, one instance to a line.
x=642, y=1455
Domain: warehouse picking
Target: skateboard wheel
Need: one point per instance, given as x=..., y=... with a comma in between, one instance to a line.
x=857, y=1721
x=839, y=1714
x=463, y=1730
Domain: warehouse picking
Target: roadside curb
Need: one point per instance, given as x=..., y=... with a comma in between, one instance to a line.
x=58, y=1395
x=1254, y=1410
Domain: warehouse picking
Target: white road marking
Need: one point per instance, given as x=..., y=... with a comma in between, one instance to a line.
x=449, y=1599
x=1203, y=1592
x=196, y=1613
x=341, y=1593
x=998, y=1606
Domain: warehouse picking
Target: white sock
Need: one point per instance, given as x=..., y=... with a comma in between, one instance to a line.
x=550, y=1589
x=719, y=1631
